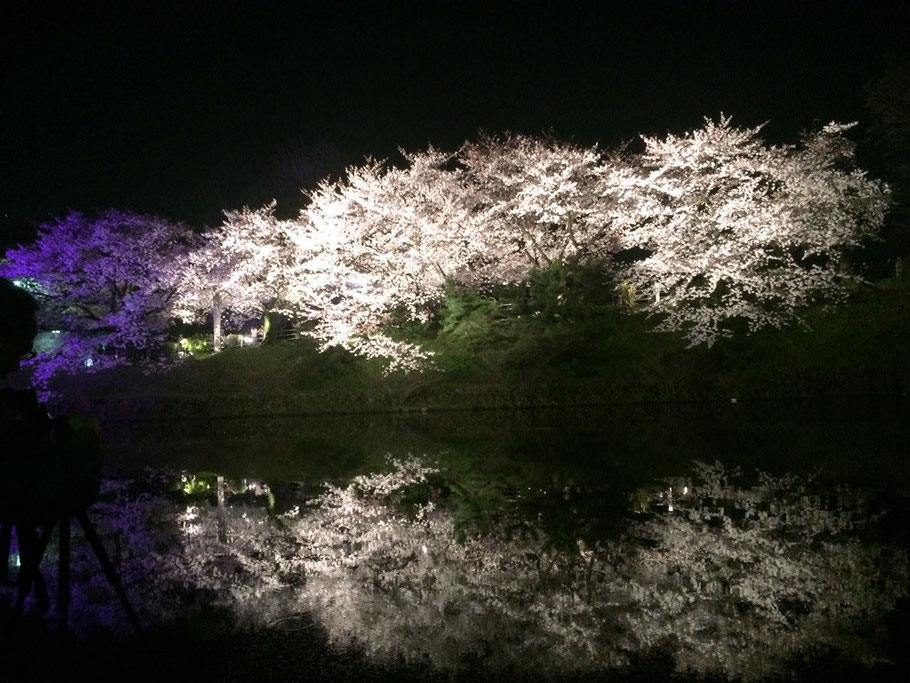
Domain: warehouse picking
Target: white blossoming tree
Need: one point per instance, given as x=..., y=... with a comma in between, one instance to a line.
x=735, y=229
x=380, y=241
x=540, y=202
x=729, y=232
x=388, y=240
x=246, y=266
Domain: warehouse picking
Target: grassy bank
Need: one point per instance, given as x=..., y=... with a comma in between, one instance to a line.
x=604, y=356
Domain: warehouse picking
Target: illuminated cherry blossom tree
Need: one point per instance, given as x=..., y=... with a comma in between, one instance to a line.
x=729, y=231
x=387, y=240
x=204, y=280
x=540, y=202
x=246, y=266
x=107, y=282
x=735, y=229
x=384, y=240
x=728, y=228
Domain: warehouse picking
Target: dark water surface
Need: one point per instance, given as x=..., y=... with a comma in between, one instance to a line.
x=722, y=542
x=854, y=440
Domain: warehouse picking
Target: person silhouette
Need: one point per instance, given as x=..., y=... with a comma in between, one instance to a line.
x=50, y=474
x=21, y=426
x=45, y=464
x=49, y=468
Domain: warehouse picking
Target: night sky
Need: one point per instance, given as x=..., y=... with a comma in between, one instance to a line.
x=185, y=108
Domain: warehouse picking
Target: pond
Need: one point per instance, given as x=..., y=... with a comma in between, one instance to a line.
x=725, y=542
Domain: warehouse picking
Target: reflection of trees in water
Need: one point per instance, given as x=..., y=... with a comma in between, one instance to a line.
x=727, y=579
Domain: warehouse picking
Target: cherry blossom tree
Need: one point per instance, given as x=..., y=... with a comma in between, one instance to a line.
x=246, y=266
x=540, y=202
x=729, y=228
x=729, y=231
x=735, y=229
x=204, y=279
x=384, y=240
x=106, y=281
x=387, y=240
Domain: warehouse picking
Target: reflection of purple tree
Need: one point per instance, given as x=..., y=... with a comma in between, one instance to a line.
x=106, y=281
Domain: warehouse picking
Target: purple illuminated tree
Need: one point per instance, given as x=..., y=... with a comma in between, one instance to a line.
x=107, y=282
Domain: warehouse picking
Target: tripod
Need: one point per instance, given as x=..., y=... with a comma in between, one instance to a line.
x=29, y=572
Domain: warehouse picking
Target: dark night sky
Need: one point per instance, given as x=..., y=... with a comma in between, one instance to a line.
x=185, y=108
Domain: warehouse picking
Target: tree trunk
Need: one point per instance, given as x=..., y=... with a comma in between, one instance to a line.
x=217, y=309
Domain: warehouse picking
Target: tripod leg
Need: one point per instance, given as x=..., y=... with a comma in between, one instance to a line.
x=31, y=551
x=63, y=578
x=109, y=570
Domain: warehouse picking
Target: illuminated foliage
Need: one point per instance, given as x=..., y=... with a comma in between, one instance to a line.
x=387, y=240
x=736, y=231
x=108, y=281
x=381, y=240
x=540, y=202
x=244, y=267
x=712, y=232
x=728, y=230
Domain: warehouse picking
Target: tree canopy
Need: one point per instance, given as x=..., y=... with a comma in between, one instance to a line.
x=709, y=232
x=107, y=281
x=735, y=229
x=727, y=229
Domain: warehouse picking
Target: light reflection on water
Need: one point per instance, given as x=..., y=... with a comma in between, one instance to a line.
x=725, y=575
